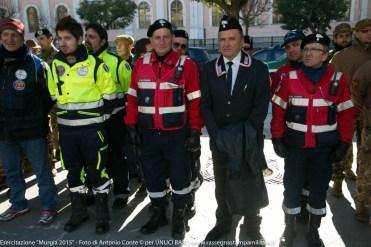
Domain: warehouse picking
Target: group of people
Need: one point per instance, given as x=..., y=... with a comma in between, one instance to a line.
x=161, y=99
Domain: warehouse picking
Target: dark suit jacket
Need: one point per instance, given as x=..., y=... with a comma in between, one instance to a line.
x=248, y=102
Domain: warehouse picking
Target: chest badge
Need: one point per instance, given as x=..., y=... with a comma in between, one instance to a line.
x=19, y=85
x=21, y=74
x=83, y=71
x=60, y=70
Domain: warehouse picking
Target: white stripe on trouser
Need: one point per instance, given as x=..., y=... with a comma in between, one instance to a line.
x=316, y=211
x=157, y=194
x=305, y=192
x=104, y=188
x=291, y=211
x=183, y=191
x=82, y=189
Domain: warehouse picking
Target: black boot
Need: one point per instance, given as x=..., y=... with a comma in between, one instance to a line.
x=221, y=227
x=102, y=213
x=287, y=238
x=79, y=212
x=313, y=238
x=179, y=224
x=158, y=218
x=303, y=217
x=191, y=208
x=251, y=225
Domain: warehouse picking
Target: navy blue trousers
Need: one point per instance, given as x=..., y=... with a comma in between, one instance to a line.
x=313, y=168
x=163, y=155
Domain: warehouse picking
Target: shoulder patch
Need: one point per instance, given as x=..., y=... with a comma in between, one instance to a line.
x=105, y=67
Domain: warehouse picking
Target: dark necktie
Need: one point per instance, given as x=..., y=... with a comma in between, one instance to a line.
x=229, y=77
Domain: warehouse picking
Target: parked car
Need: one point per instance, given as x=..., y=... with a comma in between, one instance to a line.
x=199, y=54
x=274, y=57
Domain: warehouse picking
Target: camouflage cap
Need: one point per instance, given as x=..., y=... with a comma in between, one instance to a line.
x=362, y=24
x=342, y=28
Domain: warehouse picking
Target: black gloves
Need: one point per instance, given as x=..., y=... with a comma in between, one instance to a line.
x=133, y=134
x=339, y=152
x=279, y=147
x=192, y=144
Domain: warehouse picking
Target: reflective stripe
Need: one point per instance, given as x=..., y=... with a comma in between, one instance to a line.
x=146, y=109
x=293, y=74
x=174, y=109
x=319, y=211
x=82, y=189
x=104, y=188
x=80, y=122
x=338, y=75
x=322, y=102
x=132, y=92
x=117, y=109
x=53, y=98
x=297, y=126
x=157, y=194
x=146, y=85
x=110, y=96
x=291, y=211
x=80, y=106
x=279, y=101
x=169, y=85
x=345, y=105
x=183, y=191
x=146, y=58
x=120, y=95
x=315, y=128
x=299, y=101
x=194, y=95
x=323, y=128
x=305, y=192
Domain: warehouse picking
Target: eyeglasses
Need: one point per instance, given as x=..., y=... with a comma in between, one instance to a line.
x=365, y=30
x=311, y=50
x=176, y=45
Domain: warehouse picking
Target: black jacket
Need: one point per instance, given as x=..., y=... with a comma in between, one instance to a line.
x=248, y=102
x=24, y=96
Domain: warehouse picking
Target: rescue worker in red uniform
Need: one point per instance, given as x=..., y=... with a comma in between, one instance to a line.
x=291, y=43
x=311, y=129
x=164, y=118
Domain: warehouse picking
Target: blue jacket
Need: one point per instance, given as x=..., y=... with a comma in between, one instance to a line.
x=24, y=97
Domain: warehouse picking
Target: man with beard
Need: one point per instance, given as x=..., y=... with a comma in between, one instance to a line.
x=85, y=94
x=342, y=38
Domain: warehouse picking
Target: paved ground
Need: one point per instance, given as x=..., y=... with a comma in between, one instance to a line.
x=339, y=228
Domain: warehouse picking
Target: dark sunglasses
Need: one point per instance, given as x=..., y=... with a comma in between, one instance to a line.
x=246, y=48
x=176, y=45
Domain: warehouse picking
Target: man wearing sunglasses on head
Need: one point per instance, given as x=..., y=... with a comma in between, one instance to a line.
x=291, y=44
x=180, y=43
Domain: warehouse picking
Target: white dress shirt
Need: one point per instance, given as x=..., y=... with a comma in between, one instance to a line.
x=235, y=66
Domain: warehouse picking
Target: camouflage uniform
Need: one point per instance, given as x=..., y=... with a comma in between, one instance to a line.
x=53, y=140
x=348, y=61
x=361, y=89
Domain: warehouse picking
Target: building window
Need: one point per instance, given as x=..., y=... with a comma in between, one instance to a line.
x=33, y=19
x=144, y=13
x=176, y=8
x=61, y=12
x=216, y=16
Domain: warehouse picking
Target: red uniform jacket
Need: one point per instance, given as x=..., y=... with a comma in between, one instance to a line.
x=164, y=95
x=307, y=115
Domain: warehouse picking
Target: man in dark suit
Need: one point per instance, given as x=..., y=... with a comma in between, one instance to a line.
x=235, y=94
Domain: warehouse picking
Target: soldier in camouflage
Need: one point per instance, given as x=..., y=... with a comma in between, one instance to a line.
x=361, y=90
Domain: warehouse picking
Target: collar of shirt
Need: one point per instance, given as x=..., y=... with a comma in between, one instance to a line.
x=236, y=61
